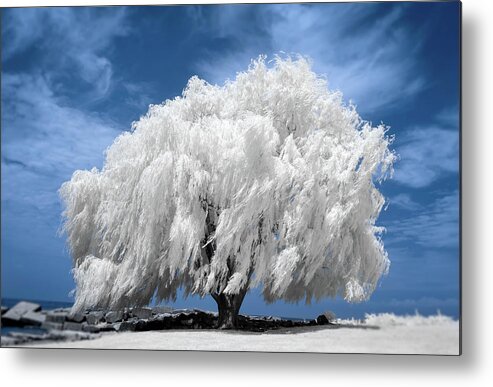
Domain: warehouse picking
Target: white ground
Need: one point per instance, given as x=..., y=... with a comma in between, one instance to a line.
x=380, y=334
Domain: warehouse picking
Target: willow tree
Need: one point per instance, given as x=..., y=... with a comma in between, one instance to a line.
x=268, y=181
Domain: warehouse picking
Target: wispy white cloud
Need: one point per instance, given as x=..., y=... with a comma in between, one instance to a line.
x=427, y=154
x=404, y=201
x=138, y=94
x=374, y=65
x=366, y=51
x=74, y=41
x=55, y=63
x=20, y=30
x=434, y=226
x=44, y=140
x=370, y=59
x=46, y=131
x=449, y=116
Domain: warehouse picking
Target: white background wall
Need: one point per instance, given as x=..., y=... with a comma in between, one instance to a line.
x=113, y=368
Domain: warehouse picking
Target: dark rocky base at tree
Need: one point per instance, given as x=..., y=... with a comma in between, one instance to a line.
x=60, y=324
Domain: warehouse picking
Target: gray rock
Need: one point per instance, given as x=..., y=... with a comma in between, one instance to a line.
x=6, y=341
x=142, y=325
x=322, y=320
x=163, y=315
x=58, y=317
x=182, y=311
x=331, y=316
x=62, y=310
x=126, y=326
x=16, y=338
x=89, y=328
x=187, y=322
x=26, y=335
x=162, y=309
x=10, y=341
x=33, y=318
x=157, y=322
x=52, y=326
x=70, y=336
x=142, y=312
x=95, y=317
x=76, y=317
x=72, y=326
x=16, y=312
x=106, y=327
x=113, y=316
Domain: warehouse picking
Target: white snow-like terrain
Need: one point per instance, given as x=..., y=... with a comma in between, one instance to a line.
x=383, y=333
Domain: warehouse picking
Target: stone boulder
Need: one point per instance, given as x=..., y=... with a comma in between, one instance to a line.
x=57, y=317
x=49, y=326
x=322, y=320
x=157, y=323
x=86, y=327
x=76, y=317
x=65, y=311
x=95, y=317
x=143, y=313
x=13, y=315
x=187, y=322
x=33, y=318
x=72, y=326
x=114, y=316
x=106, y=327
x=126, y=326
x=142, y=325
x=331, y=316
x=16, y=338
x=162, y=309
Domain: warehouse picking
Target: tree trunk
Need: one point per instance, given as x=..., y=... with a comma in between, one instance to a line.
x=228, y=306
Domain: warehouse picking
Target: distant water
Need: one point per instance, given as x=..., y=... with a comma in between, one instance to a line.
x=45, y=305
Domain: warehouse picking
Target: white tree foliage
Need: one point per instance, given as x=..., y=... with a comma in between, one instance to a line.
x=267, y=181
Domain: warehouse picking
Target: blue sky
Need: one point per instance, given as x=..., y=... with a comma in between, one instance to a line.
x=74, y=78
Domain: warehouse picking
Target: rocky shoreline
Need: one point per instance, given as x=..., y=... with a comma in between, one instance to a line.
x=61, y=325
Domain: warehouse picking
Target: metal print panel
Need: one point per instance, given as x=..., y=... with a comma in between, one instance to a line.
x=268, y=177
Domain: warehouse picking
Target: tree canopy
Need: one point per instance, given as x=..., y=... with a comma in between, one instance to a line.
x=268, y=181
